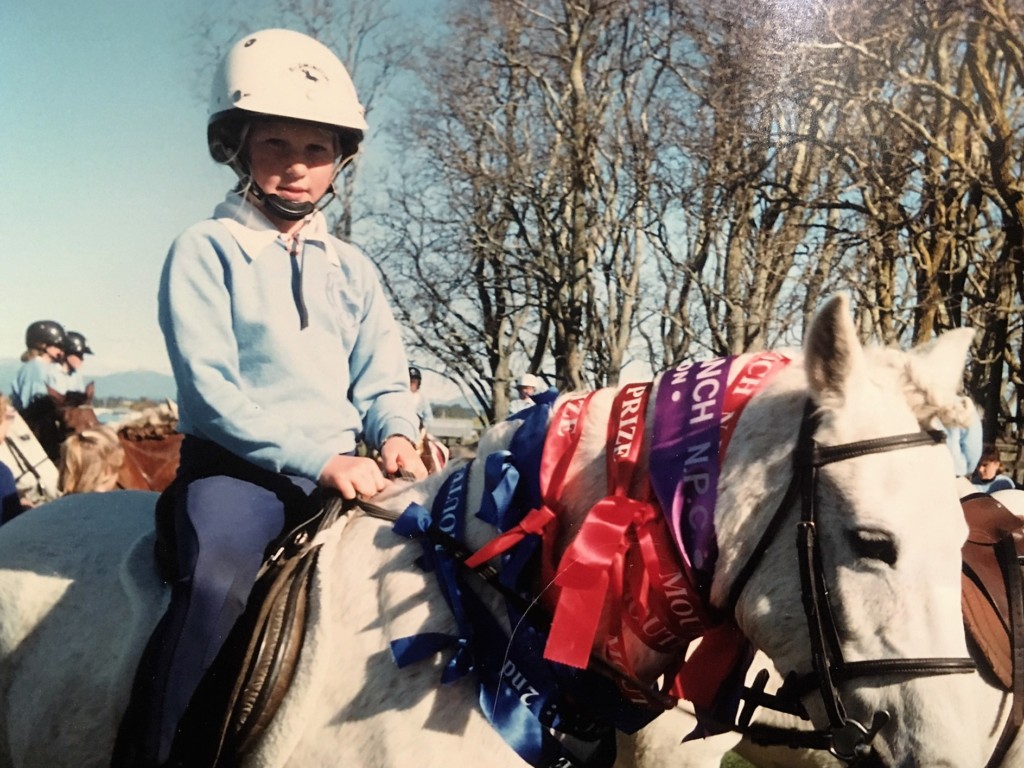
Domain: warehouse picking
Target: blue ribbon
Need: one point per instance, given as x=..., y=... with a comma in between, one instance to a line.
x=519, y=695
x=501, y=478
x=527, y=446
x=449, y=516
x=523, y=696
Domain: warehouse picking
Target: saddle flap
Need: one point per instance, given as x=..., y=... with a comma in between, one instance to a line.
x=984, y=594
x=988, y=520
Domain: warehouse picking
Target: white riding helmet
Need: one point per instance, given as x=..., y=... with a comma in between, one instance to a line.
x=281, y=73
x=528, y=380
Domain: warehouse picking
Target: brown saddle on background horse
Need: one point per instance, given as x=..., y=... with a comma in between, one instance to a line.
x=990, y=571
x=993, y=603
x=246, y=683
x=150, y=463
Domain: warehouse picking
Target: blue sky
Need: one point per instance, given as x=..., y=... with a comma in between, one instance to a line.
x=103, y=136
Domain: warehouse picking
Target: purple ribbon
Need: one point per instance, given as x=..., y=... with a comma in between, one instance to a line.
x=684, y=463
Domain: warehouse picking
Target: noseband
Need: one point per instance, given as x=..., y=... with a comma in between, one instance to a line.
x=846, y=738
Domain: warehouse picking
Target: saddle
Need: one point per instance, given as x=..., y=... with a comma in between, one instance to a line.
x=985, y=589
x=245, y=685
x=993, y=603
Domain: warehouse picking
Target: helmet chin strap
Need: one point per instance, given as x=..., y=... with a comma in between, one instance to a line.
x=289, y=210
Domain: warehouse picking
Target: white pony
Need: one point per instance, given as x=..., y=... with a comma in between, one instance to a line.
x=35, y=475
x=658, y=745
x=79, y=593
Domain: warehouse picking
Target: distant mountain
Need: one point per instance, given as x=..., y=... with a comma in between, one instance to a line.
x=131, y=385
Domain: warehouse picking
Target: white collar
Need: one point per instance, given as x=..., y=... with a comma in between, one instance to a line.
x=254, y=232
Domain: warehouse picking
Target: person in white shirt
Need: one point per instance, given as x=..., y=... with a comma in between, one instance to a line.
x=526, y=387
x=423, y=409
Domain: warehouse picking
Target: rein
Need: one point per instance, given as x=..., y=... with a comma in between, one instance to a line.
x=847, y=739
x=25, y=466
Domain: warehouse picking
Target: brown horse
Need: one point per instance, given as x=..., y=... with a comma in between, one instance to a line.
x=151, y=450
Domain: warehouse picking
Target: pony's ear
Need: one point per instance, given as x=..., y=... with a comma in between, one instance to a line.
x=90, y=390
x=944, y=358
x=56, y=396
x=832, y=351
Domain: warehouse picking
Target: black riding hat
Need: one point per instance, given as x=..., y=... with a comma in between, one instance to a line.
x=74, y=344
x=44, y=333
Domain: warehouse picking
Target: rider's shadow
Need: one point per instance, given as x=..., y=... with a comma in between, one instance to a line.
x=401, y=601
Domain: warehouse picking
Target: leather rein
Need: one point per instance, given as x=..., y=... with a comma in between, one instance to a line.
x=846, y=738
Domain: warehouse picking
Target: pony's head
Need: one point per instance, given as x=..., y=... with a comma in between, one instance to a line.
x=886, y=534
x=73, y=410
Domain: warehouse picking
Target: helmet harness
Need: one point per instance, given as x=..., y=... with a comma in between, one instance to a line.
x=279, y=73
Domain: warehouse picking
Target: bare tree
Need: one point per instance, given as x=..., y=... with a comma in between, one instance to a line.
x=937, y=172
x=603, y=181
x=542, y=150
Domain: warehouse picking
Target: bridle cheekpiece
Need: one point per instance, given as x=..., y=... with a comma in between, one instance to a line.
x=846, y=738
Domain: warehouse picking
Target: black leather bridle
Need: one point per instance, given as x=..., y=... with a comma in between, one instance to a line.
x=846, y=738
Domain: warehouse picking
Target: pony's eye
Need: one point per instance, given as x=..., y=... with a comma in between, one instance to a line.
x=873, y=544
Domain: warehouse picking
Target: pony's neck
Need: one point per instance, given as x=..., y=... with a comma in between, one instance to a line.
x=756, y=472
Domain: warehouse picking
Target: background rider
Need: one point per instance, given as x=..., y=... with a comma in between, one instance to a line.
x=989, y=477
x=75, y=349
x=423, y=409
x=41, y=366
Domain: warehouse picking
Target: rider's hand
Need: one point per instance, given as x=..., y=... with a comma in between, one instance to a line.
x=397, y=453
x=353, y=476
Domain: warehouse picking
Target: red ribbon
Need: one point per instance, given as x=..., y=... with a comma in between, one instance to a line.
x=584, y=578
x=533, y=523
x=560, y=445
x=589, y=574
x=621, y=558
x=621, y=567
x=720, y=650
x=662, y=606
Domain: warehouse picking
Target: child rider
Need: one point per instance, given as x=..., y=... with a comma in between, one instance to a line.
x=284, y=351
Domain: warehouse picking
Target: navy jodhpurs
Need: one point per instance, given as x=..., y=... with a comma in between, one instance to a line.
x=226, y=513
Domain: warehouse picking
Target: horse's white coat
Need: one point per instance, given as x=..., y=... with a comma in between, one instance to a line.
x=35, y=474
x=72, y=578
x=79, y=594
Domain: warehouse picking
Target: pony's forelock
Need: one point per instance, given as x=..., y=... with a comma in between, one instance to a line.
x=930, y=399
x=927, y=393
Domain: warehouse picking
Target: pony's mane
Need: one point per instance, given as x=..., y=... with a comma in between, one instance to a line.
x=928, y=397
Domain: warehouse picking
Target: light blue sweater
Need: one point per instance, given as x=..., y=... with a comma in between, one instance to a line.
x=32, y=380
x=70, y=381
x=284, y=359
